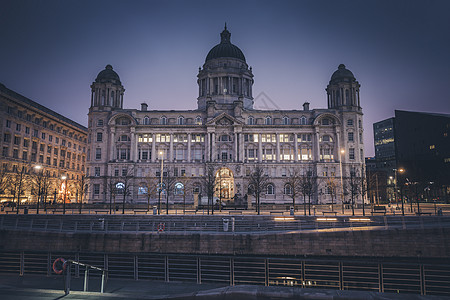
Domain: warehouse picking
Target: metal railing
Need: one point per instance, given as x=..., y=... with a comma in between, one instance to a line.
x=228, y=224
x=406, y=275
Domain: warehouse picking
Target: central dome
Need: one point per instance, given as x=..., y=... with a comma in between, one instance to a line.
x=225, y=49
x=108, y=75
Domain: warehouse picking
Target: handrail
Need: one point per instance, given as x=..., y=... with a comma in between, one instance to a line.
x=86, y=276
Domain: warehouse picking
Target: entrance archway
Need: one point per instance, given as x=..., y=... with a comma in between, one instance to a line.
x=224, y=185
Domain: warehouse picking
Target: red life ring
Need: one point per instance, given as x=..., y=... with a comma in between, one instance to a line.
x=161, y=227
x=57, y=267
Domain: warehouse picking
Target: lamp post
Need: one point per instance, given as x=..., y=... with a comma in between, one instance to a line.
x=64, y=177
x=161, y=181
x=341, y=152
x=401, y=190
x=39, y=182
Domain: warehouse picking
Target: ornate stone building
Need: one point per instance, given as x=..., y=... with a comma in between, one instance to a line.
x=224, y=130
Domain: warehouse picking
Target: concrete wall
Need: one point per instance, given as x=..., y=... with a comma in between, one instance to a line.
x=386, y=243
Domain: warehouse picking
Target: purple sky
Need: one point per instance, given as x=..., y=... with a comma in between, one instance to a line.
x=399, y=51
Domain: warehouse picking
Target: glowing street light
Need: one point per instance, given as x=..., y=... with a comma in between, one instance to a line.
x=39, y=182
x=401, y=170
x=161, y=154
x=341, y=153
x=64, y=177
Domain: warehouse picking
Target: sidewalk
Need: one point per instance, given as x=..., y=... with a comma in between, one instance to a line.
x=42, y=287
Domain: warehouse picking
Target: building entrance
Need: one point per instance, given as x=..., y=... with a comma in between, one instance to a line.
x=224, y=185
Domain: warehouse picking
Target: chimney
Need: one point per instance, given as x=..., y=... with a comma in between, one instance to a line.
x=306, y=106
x=144, y=106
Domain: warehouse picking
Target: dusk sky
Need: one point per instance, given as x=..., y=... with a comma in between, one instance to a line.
x=399, y=51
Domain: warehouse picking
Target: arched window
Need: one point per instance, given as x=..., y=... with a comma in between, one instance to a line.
x=146, y=120
x=142, y=189
x=112, y=99
x=326, y=138
x=180, y=120
x=122, y=121
x=251, y=121
x=303, y=120
x=287, y=189
x=198, y=120
x=270, y=189
x=268, y=120
x=285, y=120
x=179, y=188
x=163, y=120
x=120, y=186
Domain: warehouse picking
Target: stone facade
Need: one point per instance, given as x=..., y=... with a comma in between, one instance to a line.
x=33, y=135
x=225, y=130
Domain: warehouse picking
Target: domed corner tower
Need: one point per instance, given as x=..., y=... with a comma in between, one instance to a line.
x=343, y=90
x=107, y=91
x=225, y=76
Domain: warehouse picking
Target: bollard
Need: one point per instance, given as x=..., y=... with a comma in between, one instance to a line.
x=225, y=224
x=86, y=274
x=155, y=210
x=291, y=211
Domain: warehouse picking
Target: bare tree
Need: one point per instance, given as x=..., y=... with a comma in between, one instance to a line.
x=258, y=182
x=4, y=178
x=208, y=183
x=151, y=187
x=18, y=180
x=353, y=187
x=81, y=185
x=331, y=187
x=294, y=181
x=112, y=190
x=125, y=185
x=187, y=188
x=169, y=181
x=308, y=187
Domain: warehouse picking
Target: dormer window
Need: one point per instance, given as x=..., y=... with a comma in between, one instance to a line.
x=285, y=120
x=146, y=120
x=268, y=120
x=198, y=120
x=251, y=121
x=163, y=120
x=303, y=120
x=180, y=120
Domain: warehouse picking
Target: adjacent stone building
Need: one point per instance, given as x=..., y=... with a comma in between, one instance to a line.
x=35, y=136
x=225, y=130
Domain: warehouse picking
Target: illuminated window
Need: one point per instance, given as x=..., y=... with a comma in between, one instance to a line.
x=432, y=147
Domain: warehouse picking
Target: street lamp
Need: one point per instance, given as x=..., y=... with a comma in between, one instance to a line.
x=64, y=177
x=39, y=182
x=341, y=152
x=401, y=170
x=161, y=154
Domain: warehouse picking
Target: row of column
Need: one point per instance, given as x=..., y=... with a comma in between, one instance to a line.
x=211, y=149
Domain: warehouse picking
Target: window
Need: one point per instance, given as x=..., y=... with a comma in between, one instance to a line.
x=146, y=120
x=360, y=123
x=251, y=121
x=350, y=137
x=98, y=153
x=198, y=120
x=18, y=127
x=100, y=122
x=15, y=153
x=28, y=117
x=63, y=142
x=26, y=143
x=325, y=171
x=27, y=130
x=116, y=172
x=99, y=136
x=250, y=138
x=326, y=138
x=163, y=120
x=351, y=153
x=180, y=120
x=124, y=172
x=270, y=189
x=97, y=171
x=285, y=120
x=57, y=140
x=179, y=189
x=7, y=138
x=360, y=138
x=36, y=133
x=268, y=120
x=326, y=121
x=43, y=135
x=179, y=154
x=8, y=123
x=25, y=155
x=5, y=151
x=303, y=120
x=287, y=189
x=268, y=138
x=50, y=138
x=142, y=189
x=225, y=138
x=286, y=138
x=350, y=122
x=96, y=189
x=16, y=140
x=124, y=138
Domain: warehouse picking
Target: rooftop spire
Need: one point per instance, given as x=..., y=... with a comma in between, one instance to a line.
x=225, y=35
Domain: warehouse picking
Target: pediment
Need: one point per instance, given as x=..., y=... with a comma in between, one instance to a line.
x=224, y=119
